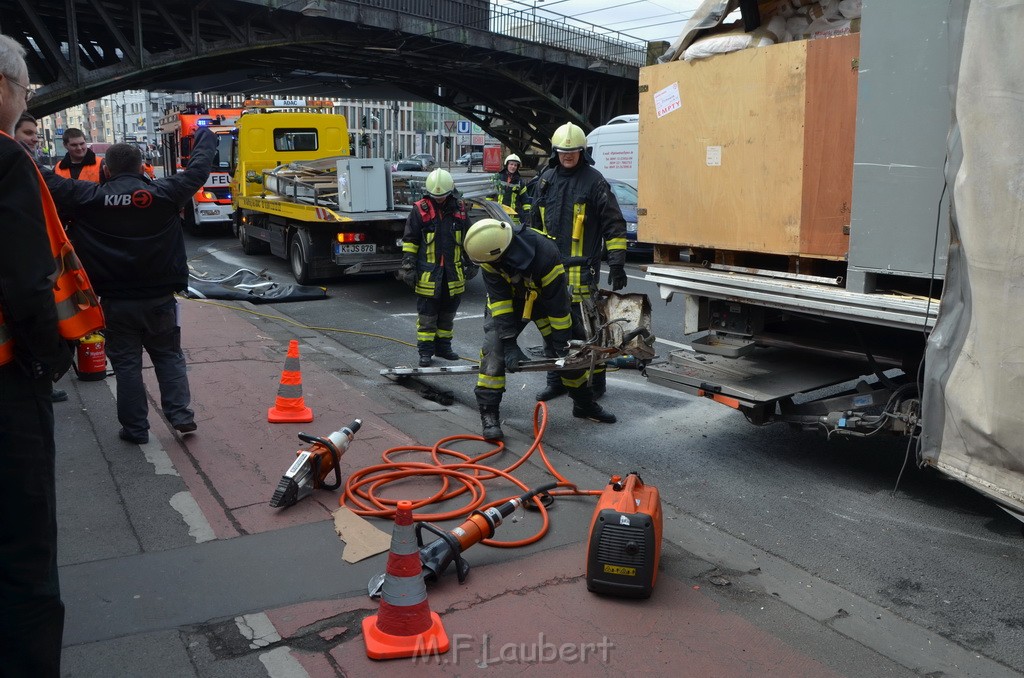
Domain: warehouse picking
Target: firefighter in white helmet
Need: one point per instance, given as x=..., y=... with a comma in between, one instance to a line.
x=435, y=265
x=525, y=282
x=511, y=186
x=574, y=204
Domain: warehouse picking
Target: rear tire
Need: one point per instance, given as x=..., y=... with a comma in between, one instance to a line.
x=299, y=263
x=250, y=245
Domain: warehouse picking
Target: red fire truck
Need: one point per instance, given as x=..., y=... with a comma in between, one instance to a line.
x=211, y=205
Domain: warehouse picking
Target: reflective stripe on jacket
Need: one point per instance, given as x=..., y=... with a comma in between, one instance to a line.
x=433, y=234
x=78, y=309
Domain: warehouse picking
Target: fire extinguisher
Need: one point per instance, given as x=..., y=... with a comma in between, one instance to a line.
x=91, y=358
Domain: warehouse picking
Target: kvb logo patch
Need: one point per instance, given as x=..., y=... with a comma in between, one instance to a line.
x=142, y=199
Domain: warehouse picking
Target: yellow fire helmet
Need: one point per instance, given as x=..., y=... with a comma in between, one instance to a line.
x=568, y=138
x=487, y=239
x=440, y=184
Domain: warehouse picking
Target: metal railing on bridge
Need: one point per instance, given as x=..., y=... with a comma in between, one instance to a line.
x=552, y=29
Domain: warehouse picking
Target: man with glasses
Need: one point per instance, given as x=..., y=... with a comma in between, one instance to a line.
x=32, y=356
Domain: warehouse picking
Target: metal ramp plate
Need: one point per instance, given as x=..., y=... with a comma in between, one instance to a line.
x=766, y=375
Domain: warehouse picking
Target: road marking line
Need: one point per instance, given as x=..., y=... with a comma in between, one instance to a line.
x=257, y=629
x=281, y=664
x=198, y=526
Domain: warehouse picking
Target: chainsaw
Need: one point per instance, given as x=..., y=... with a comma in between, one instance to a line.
x=618, y=325
x=311, y=467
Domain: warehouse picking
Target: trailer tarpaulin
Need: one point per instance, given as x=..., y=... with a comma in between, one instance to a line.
x=974, y=376
x=246, y=285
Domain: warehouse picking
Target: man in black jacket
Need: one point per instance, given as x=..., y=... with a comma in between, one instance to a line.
x=128, y=235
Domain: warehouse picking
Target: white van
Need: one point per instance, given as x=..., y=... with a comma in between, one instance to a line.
x=614, y=148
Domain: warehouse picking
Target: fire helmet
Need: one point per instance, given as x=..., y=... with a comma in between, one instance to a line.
x=487, y=239
x=440, y=184
x=568, y=138
x=512, y=157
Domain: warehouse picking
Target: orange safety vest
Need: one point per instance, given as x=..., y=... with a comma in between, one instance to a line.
x=89, y=172
x=78, y=309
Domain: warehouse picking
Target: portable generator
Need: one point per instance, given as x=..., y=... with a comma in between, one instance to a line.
x=625, y=539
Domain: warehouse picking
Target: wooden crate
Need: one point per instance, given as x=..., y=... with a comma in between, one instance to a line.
x=758, y=156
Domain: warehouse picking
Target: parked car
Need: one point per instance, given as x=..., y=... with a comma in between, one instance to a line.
x=412, y=164
x=429, y=163
x=628, y=199
x=470, y=159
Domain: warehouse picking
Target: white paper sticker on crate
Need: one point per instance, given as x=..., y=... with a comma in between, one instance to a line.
x=713, y=156
x=667, y=100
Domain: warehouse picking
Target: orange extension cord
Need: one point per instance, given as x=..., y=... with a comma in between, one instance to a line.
x=363, y=486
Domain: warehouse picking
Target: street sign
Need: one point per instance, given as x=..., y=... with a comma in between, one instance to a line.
x=449, y=125
x=465, y=127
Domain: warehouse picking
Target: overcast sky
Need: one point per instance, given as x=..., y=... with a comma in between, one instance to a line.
x=646, y=19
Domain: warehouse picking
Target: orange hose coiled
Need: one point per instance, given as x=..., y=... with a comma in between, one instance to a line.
x=361, y=494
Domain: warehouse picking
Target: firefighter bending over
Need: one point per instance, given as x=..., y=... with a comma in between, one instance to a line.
x=525, y=282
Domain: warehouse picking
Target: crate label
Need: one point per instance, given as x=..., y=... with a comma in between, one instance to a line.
x=667, y=100
x=714, y=156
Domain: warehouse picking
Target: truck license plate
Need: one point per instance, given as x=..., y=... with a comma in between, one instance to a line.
x=361, y=248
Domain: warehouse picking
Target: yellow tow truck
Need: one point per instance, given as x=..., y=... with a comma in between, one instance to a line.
x=299, y=194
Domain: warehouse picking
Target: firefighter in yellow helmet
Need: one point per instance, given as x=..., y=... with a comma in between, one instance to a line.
x=525, y=281
x=510, y=185
x=435, y=266
x=574, y=204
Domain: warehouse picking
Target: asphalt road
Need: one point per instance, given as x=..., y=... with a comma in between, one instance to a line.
x=933, y=552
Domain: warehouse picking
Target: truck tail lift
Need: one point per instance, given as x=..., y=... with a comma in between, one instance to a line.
x=620, y=324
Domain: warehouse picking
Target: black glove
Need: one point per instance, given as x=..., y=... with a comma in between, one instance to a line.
x=470, y=271
x=513, y=356
x=617, y=277
x=408, y=272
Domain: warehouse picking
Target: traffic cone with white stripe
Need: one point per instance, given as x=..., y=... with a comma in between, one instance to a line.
x=290, y=406
x=404, y=626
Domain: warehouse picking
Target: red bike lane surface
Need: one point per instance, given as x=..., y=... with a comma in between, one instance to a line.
x=235, y=460
x=534, y=615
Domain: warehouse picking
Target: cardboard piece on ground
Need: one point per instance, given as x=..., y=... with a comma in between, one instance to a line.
x=362, y=539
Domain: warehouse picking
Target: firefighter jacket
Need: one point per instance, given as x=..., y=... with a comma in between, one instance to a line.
x=89, y=169
x=529, y=275
x=433, y=236
x=128, y=230
x=578, y=209
x=511, y=190
x=45, y=294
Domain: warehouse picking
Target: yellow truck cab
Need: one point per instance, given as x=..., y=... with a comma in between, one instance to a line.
x=300, y=195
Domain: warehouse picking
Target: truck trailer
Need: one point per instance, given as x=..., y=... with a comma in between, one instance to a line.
x=300, y=195
x=842, y=216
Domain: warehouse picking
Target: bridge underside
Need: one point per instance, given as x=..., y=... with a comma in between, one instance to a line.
x=517, y=90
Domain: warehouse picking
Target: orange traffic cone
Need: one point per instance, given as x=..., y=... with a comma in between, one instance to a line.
x=289, y=406
x=404, y=626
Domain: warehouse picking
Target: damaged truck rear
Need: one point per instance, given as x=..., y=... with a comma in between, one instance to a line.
x=849, y=250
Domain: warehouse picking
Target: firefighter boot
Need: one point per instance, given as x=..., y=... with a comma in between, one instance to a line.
x=426, y=349
x=443, y=349
x=598, y=383
x=492, y=422
x=585, y=407
x=553, y=389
